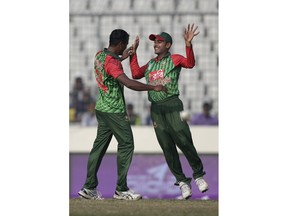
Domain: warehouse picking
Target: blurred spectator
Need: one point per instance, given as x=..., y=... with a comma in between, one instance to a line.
x=83, y=104
x=80, y=99
x=88, y=118
x=133, y=117
x=148, y=119
x=72, y=109
x=205, y=118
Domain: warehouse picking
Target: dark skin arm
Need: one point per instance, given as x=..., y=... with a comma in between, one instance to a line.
x=138, y=86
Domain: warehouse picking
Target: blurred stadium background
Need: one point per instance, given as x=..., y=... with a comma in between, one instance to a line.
x=91, y=22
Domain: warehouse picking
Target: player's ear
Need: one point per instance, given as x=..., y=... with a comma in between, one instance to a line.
x=168, y=45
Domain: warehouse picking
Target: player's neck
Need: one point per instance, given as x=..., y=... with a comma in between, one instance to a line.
x=161, y=55
x=112, y=49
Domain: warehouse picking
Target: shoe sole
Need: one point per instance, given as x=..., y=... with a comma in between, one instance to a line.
x=205, y=190
x=186, y=198
x=83, y=195
x=123, y=198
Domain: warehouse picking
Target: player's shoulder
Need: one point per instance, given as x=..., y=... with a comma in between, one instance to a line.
x=175, y=55
x=99, y=52
x=113, y=61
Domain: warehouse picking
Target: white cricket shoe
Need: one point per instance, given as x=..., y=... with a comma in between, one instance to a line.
x=202, y=184
x=127, y=195
x=186, y=190
x=90, y=194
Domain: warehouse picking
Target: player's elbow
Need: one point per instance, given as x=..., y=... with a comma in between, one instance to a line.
x=135, y=77
x=191, y=65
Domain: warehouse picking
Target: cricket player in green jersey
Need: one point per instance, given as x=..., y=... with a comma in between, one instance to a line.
x=112, y=117
x=171, y=130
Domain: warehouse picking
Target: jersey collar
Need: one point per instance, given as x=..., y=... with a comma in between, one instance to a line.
x=165, y=56
x=106, y=51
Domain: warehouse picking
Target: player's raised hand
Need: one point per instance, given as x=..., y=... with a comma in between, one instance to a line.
x=127, y=52
x=190, y=32
x=135, y=45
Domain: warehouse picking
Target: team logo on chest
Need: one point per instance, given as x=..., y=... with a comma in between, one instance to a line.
x=157, y=77
x=158, y=74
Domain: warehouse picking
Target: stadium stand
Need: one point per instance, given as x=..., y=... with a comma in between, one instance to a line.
x=91, y=22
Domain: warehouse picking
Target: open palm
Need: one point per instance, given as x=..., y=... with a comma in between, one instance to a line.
x=190, y=32
x=135, y=45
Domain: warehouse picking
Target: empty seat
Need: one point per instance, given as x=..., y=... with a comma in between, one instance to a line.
x=91, y=32
x=143, y=6
x=186, y=6
x=164, y=5
x=208, y=5
x=120, y=6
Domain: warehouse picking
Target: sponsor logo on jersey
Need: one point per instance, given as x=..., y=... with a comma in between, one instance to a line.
x=157, y=78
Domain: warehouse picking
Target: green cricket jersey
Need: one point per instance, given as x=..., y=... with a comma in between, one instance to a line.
x=107, y=67
x=165, y=71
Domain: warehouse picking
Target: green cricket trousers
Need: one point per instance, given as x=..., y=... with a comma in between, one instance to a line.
x=172, y=131
x=110, y=124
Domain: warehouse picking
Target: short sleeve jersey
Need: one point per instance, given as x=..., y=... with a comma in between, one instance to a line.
x=107, y=67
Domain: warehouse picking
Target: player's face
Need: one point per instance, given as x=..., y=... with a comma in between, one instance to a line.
x=161, y=47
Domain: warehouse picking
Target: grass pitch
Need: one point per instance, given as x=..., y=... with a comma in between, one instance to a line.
x=144, y=207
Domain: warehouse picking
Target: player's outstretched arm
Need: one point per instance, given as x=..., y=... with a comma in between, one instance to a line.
x=138, y=86
x=135, y=45
x=189, y=33
x=137, y=71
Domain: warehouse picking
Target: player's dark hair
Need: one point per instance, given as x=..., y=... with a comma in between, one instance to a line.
x=117, y=36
